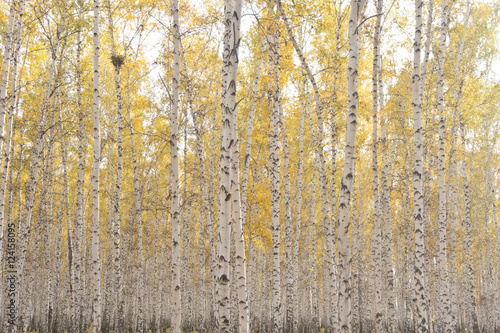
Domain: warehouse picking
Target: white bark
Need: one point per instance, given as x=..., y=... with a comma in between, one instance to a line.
x=313, y=281
x=224, y=225
x=274, y=159
x=470, y=288
x=138, y=218
x=80, y=184
x=298, y=213
x=387, y=226
x=427, y=156
x=252, y=294
x=357, y=313
x=288, y=327
x=497, y=278
x=96, y=260
x=349, y=171
x=67, y=216
x=237, y=219
x=444, y=299
x=174, y=151
x=418, y=279
x=117, y=62
x=377, y=233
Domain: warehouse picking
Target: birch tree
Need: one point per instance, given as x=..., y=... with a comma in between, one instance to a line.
x=377, y=234
x=174, y=153
x=96, y=260
x=443, y=270
x=349, y=170
x=117, y=61
x=274, y=159
x=237, y=219
x=418, y=283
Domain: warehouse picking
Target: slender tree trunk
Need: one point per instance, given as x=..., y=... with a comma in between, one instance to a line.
x=298, y=214
x=377, y=234
x=237, y=219
x=387, y=226
x=138, y=218
x=428, y=158
x=490, y=287
x=422, y=325
x=274, y=159
x=80, y=184
x=497, y=278
x=288, y=327
x=96, y=260
x=224, y=225
x=349, y=171
x=66, y=206
x=357, y=313
x=312, y=221
x=457, y=94
x=117, y=61
x=244, y=187
x=174, y=151
x=444, y=299
x=470, y=288
x=332, y=225
x=452, y=256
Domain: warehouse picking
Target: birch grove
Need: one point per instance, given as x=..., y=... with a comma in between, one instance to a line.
x=249, y=166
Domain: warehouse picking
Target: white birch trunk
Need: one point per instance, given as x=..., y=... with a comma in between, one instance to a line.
x=497, y=277
x=288, y=327
x=472, y=324
x=444, y=300
x=237, y=219
x=70, y=243
x=313, y=281
x=174, y=151
x=457, y=94
x=421, y=318
x=96, y=265
x=387, y=226
x=138, y=218
x=274, y=159
x=117, y=61
x=377, y=233
x=224, y=225
x=357, y=312
x=298, y=214
x=244, y=188
x=349, y=171
x=80, y=184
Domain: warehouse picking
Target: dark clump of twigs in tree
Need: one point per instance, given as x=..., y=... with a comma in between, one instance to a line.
x=117, y=60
